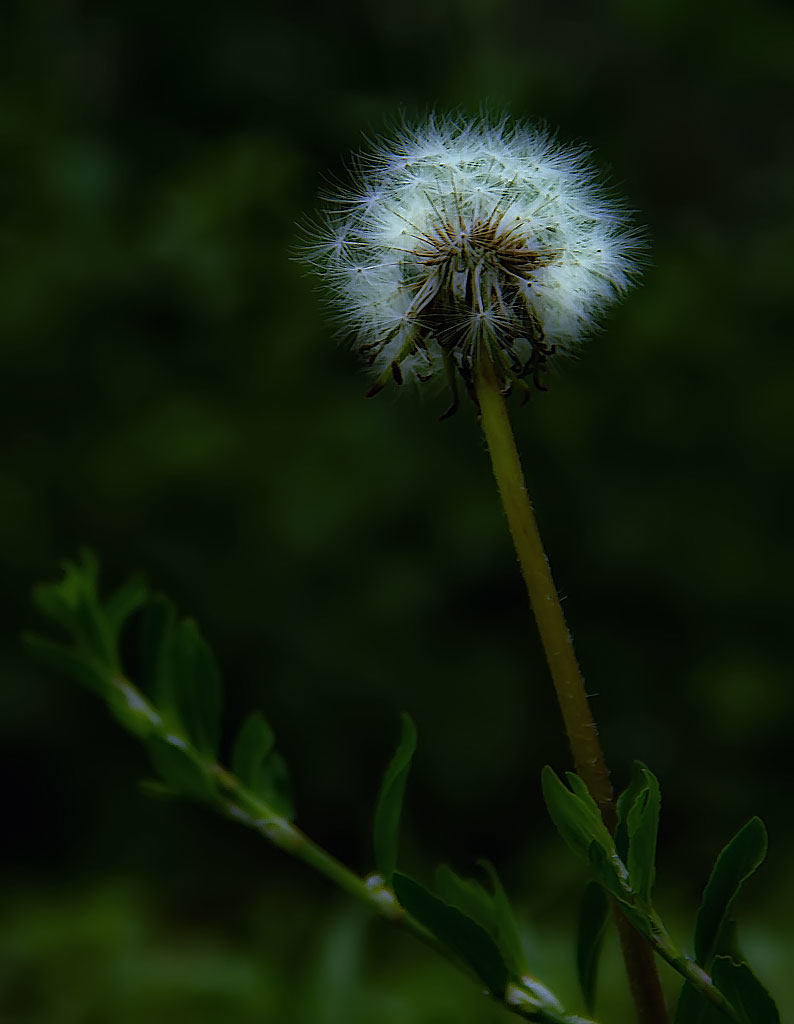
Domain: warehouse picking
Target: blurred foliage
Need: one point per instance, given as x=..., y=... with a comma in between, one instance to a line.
x=170, y=395
x=144, y=968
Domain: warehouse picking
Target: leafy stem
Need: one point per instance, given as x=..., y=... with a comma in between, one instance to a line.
x=176, y=713
x=625, y=868
x=238, y=803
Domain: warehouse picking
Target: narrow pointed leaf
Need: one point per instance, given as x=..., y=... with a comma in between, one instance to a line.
x=73, y=603
x=508, y=936
x=121, y=604
x=50, y=602
x=280, y=795
x=80, y=588
x=254, y=744
x=156, y=789
x=468, y=896
x=625, y=802
x=179, y=769
x=157, y=638
x=593, y=916
x=735, y=864
x=692, y=1008
x=491, y=910
x=455, y=930
x=259, y=767
x=643, y=824
x=157, y=625
x=576, y=817
x=388, y=809
x=744, y=992
x=197, y=688
x=579, y=787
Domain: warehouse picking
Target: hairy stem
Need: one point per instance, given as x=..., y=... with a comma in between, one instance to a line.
x=566, y=675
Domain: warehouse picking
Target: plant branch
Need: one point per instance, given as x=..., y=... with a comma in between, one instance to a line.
x=241, y=805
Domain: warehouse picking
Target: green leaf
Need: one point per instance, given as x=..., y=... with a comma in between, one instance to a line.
x=121, y=604
x=254, y=744
x=692, y=1008
x=575, y=815
x=259, y=767
x=179, y=769
x=80, y=587
x=156, y=655
x=61, y=659
x=50, y=602
x=179, y=670
x=751, y=1002
x=744, y=991
x=197, y=688
x=642, y=822
x=73, y=604
x=714, y=928
x=156, y=790
x=624, y=804
x=455, y=930
x=58, y=601
x=593, y=916
x=508, y=936
x=579, y=788
x=491, y=910
x=388, y=809
x=735, y=864
x=468, y=895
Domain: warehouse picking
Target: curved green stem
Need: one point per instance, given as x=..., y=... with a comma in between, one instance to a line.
x=558, y=647
x=241, y=805
x=371, y=891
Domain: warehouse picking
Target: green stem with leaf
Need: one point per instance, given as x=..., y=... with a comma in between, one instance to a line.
x=228, y=794
x=243, y=806
x=558, y=647
x=176, y=714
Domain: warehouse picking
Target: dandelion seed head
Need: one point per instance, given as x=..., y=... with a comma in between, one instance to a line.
x=460, y=239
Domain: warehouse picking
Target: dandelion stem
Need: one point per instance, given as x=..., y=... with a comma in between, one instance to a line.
x=558, y=647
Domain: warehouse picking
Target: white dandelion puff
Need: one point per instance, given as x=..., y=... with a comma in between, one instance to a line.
x=463, y=240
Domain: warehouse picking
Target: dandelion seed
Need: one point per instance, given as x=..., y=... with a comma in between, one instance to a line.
x=464, y=239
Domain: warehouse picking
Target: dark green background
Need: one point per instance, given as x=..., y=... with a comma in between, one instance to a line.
x=171, y=395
